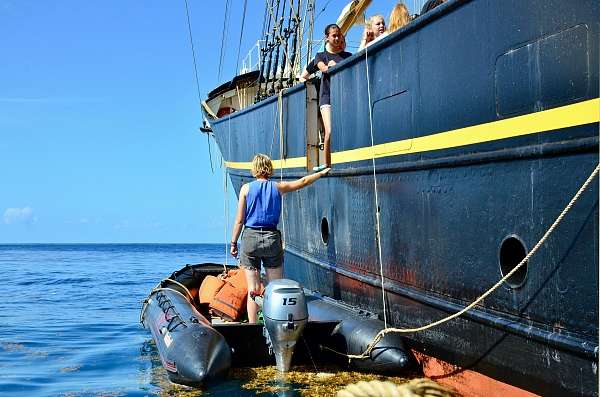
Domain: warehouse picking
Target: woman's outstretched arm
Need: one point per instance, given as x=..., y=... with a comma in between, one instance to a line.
x=286, y=187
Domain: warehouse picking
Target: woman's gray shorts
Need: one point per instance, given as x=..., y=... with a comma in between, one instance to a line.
x=261, y=245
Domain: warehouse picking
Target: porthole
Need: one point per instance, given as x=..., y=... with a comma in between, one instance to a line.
x=324, y=231
x=512, y=251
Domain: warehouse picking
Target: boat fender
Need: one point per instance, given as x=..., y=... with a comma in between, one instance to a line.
x=230, y=302
x=209, y=288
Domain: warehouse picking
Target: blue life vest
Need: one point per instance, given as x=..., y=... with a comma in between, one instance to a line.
x=263, y=204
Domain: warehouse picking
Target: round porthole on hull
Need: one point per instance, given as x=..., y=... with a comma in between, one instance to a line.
x=512, y=252
x=324, y=230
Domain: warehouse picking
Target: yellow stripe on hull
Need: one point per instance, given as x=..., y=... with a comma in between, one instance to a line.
x=581, y=113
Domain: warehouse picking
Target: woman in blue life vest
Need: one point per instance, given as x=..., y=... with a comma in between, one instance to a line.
x=259, y=209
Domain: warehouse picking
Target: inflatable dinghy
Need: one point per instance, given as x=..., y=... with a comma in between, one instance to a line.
x=178, y=312
x=190, y=349
x=196, y=347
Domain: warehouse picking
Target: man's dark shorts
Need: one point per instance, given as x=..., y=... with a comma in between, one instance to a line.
x=261, y=245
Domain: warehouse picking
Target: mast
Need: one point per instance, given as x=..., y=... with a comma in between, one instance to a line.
x=271, y=45
x=295, y=30
x=263, y=51
x=287, y=32
x=278, y=40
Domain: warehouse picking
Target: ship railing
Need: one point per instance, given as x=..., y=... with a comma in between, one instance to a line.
x=252, y=60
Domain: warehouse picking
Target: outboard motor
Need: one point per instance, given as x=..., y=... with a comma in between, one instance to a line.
x=285, y=315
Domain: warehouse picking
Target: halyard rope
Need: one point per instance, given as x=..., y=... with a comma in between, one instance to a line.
x=377, y=210
x=385, y=331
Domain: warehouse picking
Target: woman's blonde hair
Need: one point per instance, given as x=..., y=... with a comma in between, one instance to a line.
x=373, y=18
x=262, y=167
x=399, y=17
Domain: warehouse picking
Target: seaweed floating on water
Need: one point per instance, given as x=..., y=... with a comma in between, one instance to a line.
x=305, y=380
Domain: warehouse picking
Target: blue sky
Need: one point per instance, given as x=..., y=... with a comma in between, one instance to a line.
x=99, y=118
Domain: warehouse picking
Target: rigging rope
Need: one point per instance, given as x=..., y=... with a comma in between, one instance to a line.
x=377, y=209
x=301, y=37
x=223, y=39
x=542, y=240
x=187, y=11
x=311, y=28
x=189, y=24
x=212, y=169
x=237, y=62
x=322, y=10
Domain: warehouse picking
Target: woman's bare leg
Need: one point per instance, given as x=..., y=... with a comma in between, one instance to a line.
x=326, y=115
x=253, y=282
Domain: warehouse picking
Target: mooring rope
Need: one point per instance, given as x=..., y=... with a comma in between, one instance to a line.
x=377, y=209
x=226, y=193
x=281, y=158
x=385, y=331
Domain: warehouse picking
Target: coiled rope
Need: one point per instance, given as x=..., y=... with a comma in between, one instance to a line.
x=420, y=387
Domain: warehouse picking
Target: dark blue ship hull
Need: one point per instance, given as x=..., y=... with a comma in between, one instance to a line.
x=484, y=117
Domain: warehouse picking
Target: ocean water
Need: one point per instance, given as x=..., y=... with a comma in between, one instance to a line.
x=69, y=319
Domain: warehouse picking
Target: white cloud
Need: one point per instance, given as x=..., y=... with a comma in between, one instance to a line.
x=19, y=215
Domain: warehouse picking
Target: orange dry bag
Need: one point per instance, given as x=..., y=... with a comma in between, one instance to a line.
x=230, y=301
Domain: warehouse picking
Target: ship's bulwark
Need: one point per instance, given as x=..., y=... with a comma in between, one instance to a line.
x=446, y=213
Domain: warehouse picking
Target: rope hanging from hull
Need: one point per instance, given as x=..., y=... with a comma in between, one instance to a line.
x=282, y=157
x=383, y=332
x=377, y=209
x=226, y=195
